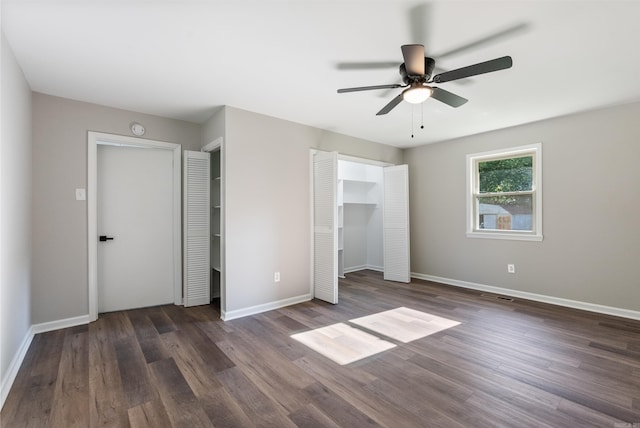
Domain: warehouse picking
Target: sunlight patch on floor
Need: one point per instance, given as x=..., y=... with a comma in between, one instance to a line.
x=342, y=343
x=404, y=324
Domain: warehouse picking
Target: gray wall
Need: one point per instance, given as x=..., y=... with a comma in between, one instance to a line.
x=591, y=194
x=214, y=128
x=15, y=208
x=60, y=129
x=267, y=205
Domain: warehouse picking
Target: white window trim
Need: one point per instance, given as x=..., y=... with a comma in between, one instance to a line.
x=472, y=179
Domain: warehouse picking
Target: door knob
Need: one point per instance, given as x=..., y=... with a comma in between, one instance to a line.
x=104, y=238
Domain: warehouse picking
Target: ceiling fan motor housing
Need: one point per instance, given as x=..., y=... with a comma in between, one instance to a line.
x=429, y=65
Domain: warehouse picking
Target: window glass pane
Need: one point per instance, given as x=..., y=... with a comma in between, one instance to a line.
x=506, y=175
x=505, y=212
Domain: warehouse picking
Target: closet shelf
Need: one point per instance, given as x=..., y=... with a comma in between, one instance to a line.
x=368, y=182
x=373, y=204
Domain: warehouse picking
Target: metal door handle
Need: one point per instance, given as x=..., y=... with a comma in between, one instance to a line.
x=104, y=238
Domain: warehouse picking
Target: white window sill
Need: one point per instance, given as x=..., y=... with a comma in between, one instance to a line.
x=505, y=235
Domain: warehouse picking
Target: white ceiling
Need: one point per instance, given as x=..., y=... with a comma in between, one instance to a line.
x=185, y=58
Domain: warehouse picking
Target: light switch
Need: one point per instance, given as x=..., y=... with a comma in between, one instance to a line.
x=81, y=194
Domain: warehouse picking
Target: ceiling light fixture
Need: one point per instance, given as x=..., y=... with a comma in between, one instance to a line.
x=417, y=93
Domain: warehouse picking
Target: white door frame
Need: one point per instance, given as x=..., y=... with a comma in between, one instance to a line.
x=93, y=139
x=363, y=160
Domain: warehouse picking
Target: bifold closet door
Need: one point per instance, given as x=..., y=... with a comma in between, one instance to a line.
x=325, y=230
x=396, y=223
x=196, y=230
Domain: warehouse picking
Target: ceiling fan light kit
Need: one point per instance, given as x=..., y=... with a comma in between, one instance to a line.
x=417, y=94
x=416, y=76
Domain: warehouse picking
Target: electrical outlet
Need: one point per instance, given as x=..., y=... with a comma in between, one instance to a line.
x=276, y=277
x=81, y=195
x=511, y=268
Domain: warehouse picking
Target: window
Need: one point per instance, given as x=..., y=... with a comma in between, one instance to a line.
x=504, y=194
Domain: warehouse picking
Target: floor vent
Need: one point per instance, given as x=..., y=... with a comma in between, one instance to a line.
x=497, y=297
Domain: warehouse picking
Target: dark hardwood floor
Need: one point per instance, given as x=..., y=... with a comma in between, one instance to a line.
x=513, y=364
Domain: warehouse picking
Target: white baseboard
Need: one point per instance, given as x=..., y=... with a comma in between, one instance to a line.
x=57, y=325
x=12, y=370
x=354, y=268
x=575, y=304
x=16, y=362
x=252, y=310
x=363, y=267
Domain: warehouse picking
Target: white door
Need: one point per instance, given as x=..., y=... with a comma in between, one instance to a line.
x=196, y=229
x=395, y=220
x=325, y=230
x=135, y=208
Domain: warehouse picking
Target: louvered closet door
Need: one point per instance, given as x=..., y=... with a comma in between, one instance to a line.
x=196, y=229
x=396, y=223
x=325, y=217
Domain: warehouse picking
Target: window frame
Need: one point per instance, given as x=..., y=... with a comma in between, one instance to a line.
x=472, y=193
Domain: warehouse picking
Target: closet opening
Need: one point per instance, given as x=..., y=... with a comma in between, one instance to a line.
x=360, y=199
x=360, y=220
x=216, y=228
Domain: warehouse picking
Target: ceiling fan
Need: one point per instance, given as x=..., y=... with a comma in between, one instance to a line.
x=416, y=74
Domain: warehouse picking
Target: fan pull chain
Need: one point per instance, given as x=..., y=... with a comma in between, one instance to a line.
x=421, y=117
x=412, y=107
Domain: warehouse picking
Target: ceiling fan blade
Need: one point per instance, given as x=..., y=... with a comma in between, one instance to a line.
x=413, y=59
x=488, y=39
x=386, y=93
x=369, y=88
x=394, y=102
x=372, y=65
x=473, y=70
x=448, y=98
